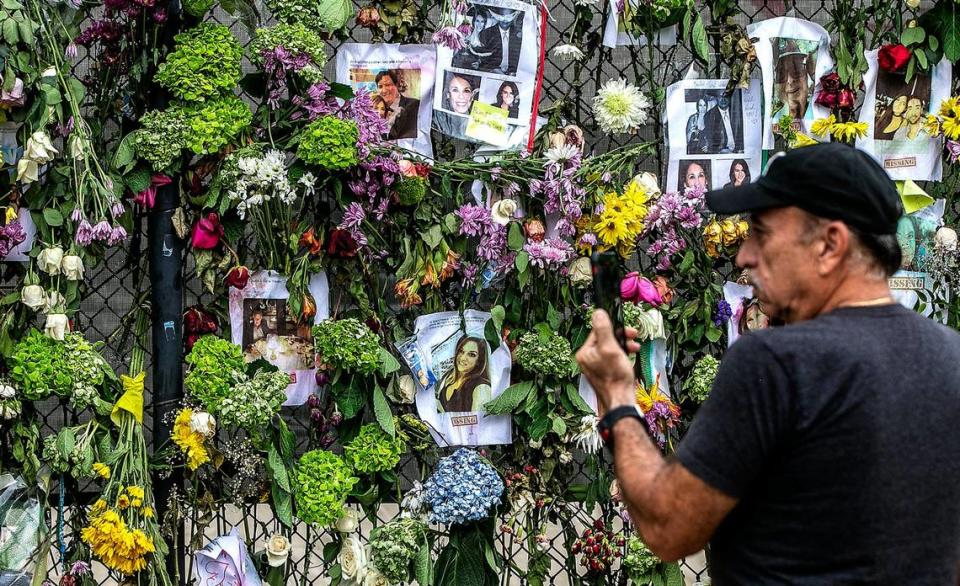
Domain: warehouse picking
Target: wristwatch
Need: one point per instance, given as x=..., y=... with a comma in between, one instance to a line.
x=605, y=427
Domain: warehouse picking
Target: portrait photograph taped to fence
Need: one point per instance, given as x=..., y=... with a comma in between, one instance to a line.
x=694, y=173
x=715, y=125
x=795, y=67
x=494, y=42
x=901, y=106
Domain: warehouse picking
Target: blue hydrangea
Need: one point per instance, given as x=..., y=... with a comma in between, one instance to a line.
x=463, y=488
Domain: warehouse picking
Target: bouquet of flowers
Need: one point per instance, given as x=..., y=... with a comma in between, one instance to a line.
x=463, y=488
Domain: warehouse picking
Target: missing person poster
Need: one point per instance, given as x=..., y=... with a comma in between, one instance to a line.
x=895, y=112
x=747, y=313
x=498, y=68
x=714, y=138
x=400, y=80
x=261, y=324
x=912, y=285
x=793, y=55
x=456, y=375
x=617, y=34
x=654, y=364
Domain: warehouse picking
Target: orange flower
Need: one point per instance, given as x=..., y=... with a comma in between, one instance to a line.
x=449, y=265
x=308, y=308
x=310, y=242
x=430, y=278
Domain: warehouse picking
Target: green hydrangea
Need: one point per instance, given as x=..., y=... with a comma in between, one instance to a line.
x=197, y=8
x=330, y=143
x=216, y=368
x=373, y=450
x=411, y=190
x=295, y=38
x=214, y=123
x=639, y=560
x=395, y=545
x=161, y=138
x=254, y=402
x=347, y=344
x=327, y=16
x=205, y=63
x=38, y=367
x=546, y=354
x=323, y=481
x=86, y=369
x=701, y=379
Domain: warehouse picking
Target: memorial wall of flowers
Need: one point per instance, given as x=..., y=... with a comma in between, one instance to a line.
x=393, y=239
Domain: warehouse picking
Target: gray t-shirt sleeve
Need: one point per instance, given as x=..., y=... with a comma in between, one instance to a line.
x=747, y=416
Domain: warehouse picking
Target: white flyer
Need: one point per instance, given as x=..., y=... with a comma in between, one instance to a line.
x=615, y=33
x=456, y=375
x=895, y=112
x=262, y=326
x=714, y=139
x=793, y=55
x=400, y=79
x=747, y=314
x=225, y=562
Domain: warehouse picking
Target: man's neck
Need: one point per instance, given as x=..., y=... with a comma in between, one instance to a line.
x=858, y=293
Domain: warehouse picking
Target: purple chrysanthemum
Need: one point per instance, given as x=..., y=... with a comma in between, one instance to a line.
x=474, y=220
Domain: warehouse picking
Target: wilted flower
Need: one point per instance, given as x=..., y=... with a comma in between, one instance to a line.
x=203, y=423
x=278, y=550
x=33, y=296
x=503, y=211
x=238, y=277
x=50, y=259
x=581, y=273
x=72, y=267
x=207, y=232
x=348, y=521
x=56, y=326
x=568, y=52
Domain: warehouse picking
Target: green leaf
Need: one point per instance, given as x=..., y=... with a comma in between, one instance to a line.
x=52, y=217
x=381, y=409
x=125, y=154
x=673, y=574
x=515, y=237
x=66, y=439
x=282, y=505
x=492, y=335
x=388, y=364
x=913, y=36
x=433, y=237
x=25, y=29
x=138, y=180
x=509, y=399
x=10, y=34
x=77, y=90
x=522, y=261
x=349, y=400
x=497, y=315
x=330, y=551
x=921, y=58
x=933, y=43
x=573, y=394
x=278, y=471
x=558, y=426
x=342, y=91
x=424, y=566
x=942, y=21
x=553, y=317
x=713, y=333
x=11, y=297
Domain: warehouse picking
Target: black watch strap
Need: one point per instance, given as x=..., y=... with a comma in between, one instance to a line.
x=605, y=427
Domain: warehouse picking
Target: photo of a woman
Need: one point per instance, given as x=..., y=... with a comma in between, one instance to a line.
x=739, y=173
x=460, y=92
x=696, y=128
x=508, y=98
x=891, y=119
x=466, y=387
x=695, y=173
x=752, y=317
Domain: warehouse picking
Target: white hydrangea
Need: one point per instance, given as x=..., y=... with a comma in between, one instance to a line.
x=261, y=179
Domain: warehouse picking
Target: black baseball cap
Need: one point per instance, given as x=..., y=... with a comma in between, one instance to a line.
x=830, y=180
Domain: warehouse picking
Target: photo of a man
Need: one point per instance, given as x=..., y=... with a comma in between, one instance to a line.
x=724, y=128
x=400, y=111
x=901, y=107
x=715, y=125
x=495, y=40
x=270, y=333
x=795, y=66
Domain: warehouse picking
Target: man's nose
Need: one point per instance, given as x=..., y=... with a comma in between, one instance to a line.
x=746, y=256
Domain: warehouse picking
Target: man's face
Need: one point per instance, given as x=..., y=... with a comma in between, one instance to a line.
x=792, y=76
x=724, y=102
x=782, y=265
x=257, y=319
x=914, y=110
x=387, y=89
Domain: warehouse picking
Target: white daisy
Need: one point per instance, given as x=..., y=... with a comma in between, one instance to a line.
x=569, y=52
x=561, y=153
x=587, y=436
x=620, y=106
x=586, y=2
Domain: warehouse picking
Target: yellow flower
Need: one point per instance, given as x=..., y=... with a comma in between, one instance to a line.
x=712, y=237
x=135, y=492
x=123, y=501
x=613, y=204
x=950, y=123
x=610, y=229
x=848, y=131
x=191, y=443
x=802, y=140
x=743, y=229
x=729, y=229
x=102, y=470
x=932, y=125
x=821, y=126
x=148, y=512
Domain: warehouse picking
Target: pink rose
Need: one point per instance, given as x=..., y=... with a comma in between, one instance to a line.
x=635, y=288
x=408, y=168
x=207, y=232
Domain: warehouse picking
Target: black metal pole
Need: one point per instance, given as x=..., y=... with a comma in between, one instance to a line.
x=166, y=296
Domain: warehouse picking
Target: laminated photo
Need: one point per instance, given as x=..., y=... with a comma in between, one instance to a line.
x=400, y=79
x=793, y=55
x=261, y=324
x=653, y=367
x=485, y=91
x=456, y=375
x=912, y=285
x=895, y=112
x=714, y=137
x=21, y=252
x=615, y=33
x=747, y=313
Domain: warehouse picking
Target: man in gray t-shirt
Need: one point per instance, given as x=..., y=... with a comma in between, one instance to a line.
x=828, y=451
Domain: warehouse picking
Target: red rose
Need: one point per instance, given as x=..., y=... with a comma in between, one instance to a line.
x=148, y=196
x=830, y=82
x=893, y=58
x=341, y=244
x=846, y=100
x=196, y=323
x=207, y=232
x=828, y=99
x=238, y=277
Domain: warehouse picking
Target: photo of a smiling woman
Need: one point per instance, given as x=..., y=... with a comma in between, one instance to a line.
x=466, y=387
x=459, y=92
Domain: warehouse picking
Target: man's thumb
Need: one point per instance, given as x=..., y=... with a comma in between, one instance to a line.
x=602, y=327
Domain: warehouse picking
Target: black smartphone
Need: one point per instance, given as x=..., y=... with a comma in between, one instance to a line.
x=607, y=275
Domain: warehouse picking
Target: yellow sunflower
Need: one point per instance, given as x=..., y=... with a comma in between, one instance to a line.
x=610, y=228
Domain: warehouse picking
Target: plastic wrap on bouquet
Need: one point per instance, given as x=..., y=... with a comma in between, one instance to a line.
x=20, y=516
x=225, y=562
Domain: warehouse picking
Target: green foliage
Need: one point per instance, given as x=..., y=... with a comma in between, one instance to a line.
x=373, y=450
x=161, y=138
x=198, y=8
x=38, y=367
x=411, y=190
x=544, y=354
x=395, y=547
x=323, y=481
x=643, y=567
x=701, y=379
x=348, y=345
x=216, y=367
x=330, y=143
x=205, y=64
x=295, y=38
x=254, y=402
x=322, y=15
x=211, y=125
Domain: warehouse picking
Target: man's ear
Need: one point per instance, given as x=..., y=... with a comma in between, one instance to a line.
x=835, y=241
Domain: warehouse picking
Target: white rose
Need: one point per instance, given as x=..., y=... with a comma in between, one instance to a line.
x=650, y=325
x=205, y=424
x=278, y=549
x=28, y=171
x=49, y=72
x=40, y=148
x=581, y=273
x=77, y=146
x=535, y=444
x=348, y=521
x=10, y=411
x=375, y=578
x=33, y=296
x=55, y=302
x=648, y=181
x=7, y=391
x=72, y=267
x=503, y=211
x=56, y=326
x=405, y=390
x=49, y=260
x=946, y=238
x=353, y=560
x=913, y=4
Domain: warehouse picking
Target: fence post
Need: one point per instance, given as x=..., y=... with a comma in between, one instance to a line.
x=166, y=296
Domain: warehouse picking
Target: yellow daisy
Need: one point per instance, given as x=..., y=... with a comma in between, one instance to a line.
x=821, y=126
x=610, y=228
